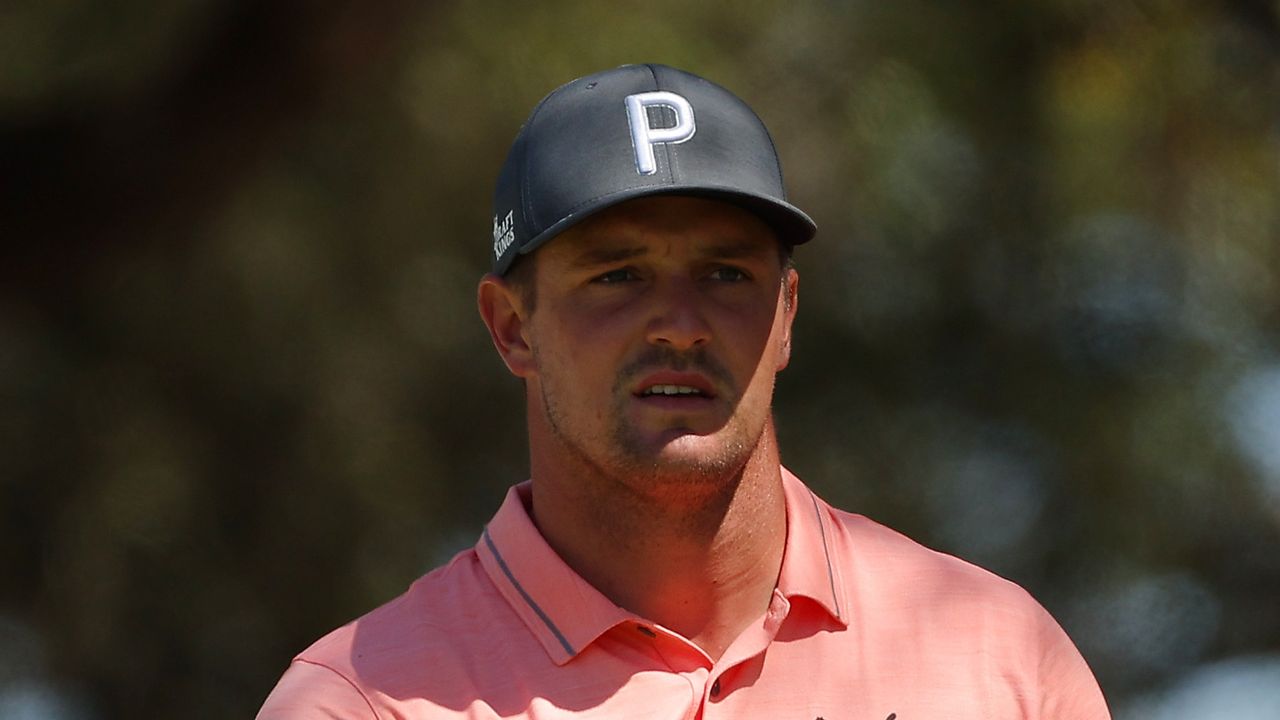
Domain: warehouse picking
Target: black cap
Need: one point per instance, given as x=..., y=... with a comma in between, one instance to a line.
x=629, y=132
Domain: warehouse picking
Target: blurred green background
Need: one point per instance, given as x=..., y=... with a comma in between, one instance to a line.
x=245, y=395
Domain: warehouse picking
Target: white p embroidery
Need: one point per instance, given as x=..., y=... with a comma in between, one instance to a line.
x=644, y=137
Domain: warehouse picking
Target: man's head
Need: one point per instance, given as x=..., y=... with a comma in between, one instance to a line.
x=662, y=279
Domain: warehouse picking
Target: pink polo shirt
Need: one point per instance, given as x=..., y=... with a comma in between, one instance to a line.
x=864, y=624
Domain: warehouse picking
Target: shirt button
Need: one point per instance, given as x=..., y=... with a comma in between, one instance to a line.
x=715, y=688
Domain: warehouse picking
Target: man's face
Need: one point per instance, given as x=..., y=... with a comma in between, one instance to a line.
x=659, y=327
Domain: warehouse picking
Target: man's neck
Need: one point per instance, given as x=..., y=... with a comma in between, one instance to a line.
x=700, y=559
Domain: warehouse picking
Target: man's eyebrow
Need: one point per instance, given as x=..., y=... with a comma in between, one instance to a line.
x=594, y=257
x=735, y=249
x=722, y=250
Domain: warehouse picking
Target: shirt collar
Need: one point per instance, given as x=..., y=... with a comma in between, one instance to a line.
x=812, y=559
x=567, y=614
x=561, y=609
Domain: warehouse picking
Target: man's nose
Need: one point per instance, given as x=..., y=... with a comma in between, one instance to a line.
x=678, y=319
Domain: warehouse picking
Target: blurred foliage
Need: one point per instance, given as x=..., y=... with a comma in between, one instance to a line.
x=245, y=396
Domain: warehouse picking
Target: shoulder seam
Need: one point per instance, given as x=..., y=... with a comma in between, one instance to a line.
x=348, y=680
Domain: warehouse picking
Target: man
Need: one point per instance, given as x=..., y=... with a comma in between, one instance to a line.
x=661, y=563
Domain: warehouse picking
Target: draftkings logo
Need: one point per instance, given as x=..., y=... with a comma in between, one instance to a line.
x=504, y=233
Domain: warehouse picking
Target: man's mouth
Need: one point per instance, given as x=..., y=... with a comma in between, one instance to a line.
x=670, y=390
x=670, y=386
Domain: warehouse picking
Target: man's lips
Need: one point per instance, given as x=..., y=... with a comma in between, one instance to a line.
x=674, y=385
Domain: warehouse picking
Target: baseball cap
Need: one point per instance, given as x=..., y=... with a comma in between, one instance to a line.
x=634, y=131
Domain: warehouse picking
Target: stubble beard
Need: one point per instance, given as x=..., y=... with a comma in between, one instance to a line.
x=620, y=454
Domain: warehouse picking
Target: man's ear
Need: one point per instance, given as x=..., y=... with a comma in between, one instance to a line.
x=502, y=309
x=790, y=297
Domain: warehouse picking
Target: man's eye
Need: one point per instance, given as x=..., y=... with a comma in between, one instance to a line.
x=728, y=274
x=616, y=276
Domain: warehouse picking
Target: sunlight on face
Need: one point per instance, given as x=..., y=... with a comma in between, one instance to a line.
x=660, y=327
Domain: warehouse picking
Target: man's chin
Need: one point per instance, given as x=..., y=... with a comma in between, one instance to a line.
x=687, y=443
x=690, y=456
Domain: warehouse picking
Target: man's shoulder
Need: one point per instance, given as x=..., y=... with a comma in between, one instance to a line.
x=419, y=642
x=939, y=611
x=891, y=564
x=428, y=623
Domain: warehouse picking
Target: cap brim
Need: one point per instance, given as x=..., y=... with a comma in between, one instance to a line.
x=790, y=223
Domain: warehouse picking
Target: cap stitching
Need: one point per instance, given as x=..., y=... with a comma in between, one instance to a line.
x=526, y=203
x=666, y=147
x=777, y=159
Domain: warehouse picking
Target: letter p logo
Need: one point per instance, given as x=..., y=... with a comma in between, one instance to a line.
x=644, y=137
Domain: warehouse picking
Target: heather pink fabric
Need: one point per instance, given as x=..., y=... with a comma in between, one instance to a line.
x=864, y=624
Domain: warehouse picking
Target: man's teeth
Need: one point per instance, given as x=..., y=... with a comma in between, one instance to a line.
x=672, y=390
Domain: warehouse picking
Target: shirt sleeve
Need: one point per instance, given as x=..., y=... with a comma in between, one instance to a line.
x=311, y=691
x=1068, y=690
